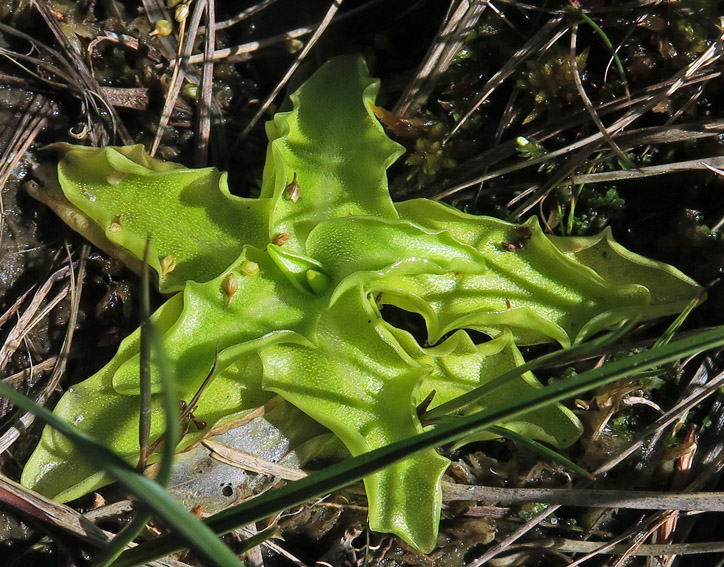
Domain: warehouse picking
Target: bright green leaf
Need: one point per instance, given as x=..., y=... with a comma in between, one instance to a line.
x=192, y=216
x=286, y=288
x=532, y=286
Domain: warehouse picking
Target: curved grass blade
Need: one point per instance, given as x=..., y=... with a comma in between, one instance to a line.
x=541, y=449
x=144, y=421
x=351, y=470
x=602, y=34
x=185, y=526
x=443, y=410
x=674, y=327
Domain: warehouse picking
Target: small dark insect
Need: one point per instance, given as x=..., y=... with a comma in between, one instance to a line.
x=200, y=424
x=281, y=239
x=507, y=303
x=401, y=127
x=524, y=235
x=109, y=266
x=117, y=294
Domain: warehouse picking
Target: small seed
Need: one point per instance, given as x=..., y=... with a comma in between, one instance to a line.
x=293, y=45
x=293, y=191
x=182, y=12
x=231, y=284
x=162, y=28
x=190, y=90
x=115, y=225
x=168, y=265
x=249, y=268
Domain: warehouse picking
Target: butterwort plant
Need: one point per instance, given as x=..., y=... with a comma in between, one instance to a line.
x=283, y=294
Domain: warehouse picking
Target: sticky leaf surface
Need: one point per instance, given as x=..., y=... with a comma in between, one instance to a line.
x=288, y=289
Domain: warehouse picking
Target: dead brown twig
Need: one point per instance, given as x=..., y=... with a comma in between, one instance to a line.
x=328, y=17
x=691, y=398
x=460, y=19
x=29, y=320
x=91, y=86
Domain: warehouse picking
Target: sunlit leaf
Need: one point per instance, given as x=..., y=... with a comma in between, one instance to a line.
x=288, y=288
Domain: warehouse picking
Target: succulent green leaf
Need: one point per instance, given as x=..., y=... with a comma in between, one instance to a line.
x=349, y=245
x=335, y=149
x=670, y=289
x=286, y=289
x=459, y=365
x=58, y=472
x=533, y=287
x=262, y=310
x=192, y=216
x=300, y=270
x=361, y=384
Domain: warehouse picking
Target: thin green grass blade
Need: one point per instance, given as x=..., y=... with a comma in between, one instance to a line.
x=149, y=340
x=443, y=410
x=351, y=470
x=541, y=449
x=669, y=333
x=197, y=535
x=609, y=45
x=141, y=516
x=116, y=546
